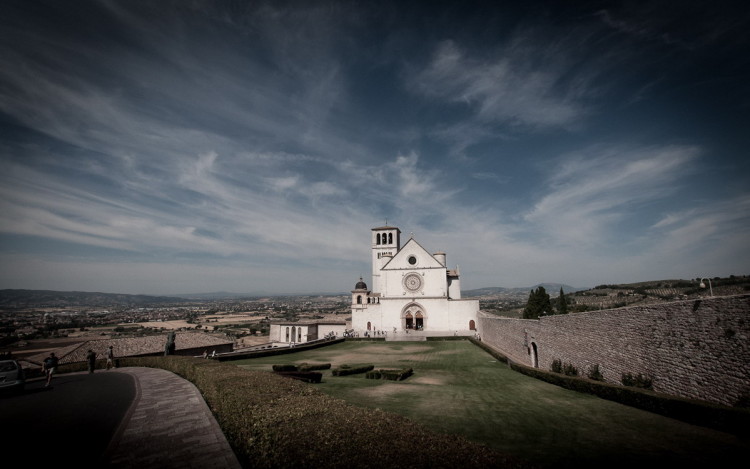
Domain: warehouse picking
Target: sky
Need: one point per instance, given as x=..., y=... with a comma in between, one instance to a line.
x=178, y=147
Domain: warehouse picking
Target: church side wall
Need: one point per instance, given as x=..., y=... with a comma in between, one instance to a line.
x=695, y=349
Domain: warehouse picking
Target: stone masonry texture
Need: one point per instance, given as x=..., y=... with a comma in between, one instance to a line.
x=697, y=349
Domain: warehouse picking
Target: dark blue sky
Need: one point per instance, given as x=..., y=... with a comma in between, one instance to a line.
x=173, y=147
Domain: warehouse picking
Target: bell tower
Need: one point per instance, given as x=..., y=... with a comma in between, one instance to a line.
x=386, y=241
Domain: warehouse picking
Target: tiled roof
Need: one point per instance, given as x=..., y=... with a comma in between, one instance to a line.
x=129, y=347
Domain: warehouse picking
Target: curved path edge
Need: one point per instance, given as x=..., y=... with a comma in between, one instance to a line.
x=168, y=425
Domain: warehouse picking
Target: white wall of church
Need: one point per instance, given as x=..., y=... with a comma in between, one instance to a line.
x=439, y=314
x=413, y=289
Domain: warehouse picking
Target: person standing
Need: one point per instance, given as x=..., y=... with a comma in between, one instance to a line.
x=110, y=358
x=50, y=367
x=91, y=359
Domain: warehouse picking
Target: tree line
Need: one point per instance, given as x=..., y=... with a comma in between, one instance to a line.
x=540, y=304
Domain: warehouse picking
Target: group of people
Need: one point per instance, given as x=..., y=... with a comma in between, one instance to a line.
x=49, y=366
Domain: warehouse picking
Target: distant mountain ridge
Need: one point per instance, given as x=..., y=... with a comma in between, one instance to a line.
x=552, y=288
x=21, y=298
x=49, y=298
x=16, y=298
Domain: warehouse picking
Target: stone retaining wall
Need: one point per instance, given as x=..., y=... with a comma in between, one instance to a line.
x=695, y=348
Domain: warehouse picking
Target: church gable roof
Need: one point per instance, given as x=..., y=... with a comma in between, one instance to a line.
x=423, y=259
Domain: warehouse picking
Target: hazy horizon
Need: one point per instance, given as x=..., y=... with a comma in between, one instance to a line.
x=155, y=147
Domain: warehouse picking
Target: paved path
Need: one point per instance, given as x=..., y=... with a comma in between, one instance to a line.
x=168, y=425
x=135, y=417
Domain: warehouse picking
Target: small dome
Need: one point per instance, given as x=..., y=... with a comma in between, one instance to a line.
x=361, y=285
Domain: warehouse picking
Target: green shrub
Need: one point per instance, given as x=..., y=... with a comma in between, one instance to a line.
x=313, y=366
x=284, y=367
x=567, y=369
x=638, y=381
x=393, y=375
x=595, y=374
x=570, y=370
x=344, y=370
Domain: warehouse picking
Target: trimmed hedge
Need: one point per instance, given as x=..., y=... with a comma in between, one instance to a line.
x=314, y=366
x=279, y=368
x=272, y=422
x=302, y=367
x=344, y=370
x=724, y=418
x=393, y=375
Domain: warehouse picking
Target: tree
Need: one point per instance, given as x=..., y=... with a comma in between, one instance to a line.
x=538, y=304
x=562, y=303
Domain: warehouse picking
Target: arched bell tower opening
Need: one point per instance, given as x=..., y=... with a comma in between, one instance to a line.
x=386, y=242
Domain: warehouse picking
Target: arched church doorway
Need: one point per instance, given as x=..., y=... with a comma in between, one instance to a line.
x=413, y=317
x=409, y=321
x=472, y=325
x=534, y=355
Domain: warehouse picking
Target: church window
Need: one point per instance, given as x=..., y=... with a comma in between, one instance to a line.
x=390, y=238
x=377, y=239
x=287, y=335
x=299, y=334
x=359, y=299
x=412, y=260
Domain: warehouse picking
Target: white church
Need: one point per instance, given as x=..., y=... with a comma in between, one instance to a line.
x=413, y=294
x=411, y=291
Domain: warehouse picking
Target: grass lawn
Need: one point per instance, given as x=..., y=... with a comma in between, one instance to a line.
x=458, y=388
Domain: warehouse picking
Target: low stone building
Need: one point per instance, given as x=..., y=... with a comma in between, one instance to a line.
x=299, y=332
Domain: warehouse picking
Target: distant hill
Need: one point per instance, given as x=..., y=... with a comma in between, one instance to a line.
x=221, y=295
x=552, y=288
x=51, y=298
x=17, y=298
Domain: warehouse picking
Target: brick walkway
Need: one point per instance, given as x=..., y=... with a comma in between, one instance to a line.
x=168, y=425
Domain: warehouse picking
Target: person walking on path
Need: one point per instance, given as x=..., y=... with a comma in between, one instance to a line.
x=50, y=367
x=110, y=358
x=91, y=359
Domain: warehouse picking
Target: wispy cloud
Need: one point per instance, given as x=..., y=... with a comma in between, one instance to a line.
x=592, y=191
x=520, y=84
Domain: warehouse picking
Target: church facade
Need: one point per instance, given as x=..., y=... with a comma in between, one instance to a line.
x=411, y=290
